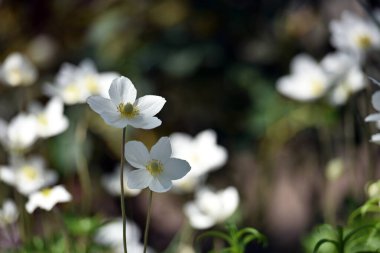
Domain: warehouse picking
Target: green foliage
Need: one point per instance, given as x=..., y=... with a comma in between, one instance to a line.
x=237, y=240
x=362, y=234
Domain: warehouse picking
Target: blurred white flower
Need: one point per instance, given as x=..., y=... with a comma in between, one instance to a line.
x=307, y=80
x=17, y=70
x=42, y=50
x=8, y=213
x=28, y=176
x=20, y=134
x=345, y=73
x=155, y=169
x=375, y=117
x=50, y=120
x=111, y=183
x=123, y=109
x=210, y=208
x=47, y=198
x=111, y=235
x=334, y=169
x=373, y=189
x=75, y=84
x=354, y=34
x=203, y=154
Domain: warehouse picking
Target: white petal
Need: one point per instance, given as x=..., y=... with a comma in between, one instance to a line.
x=7, y=175
x=139, y=179
x=160, y=184
x=373, y=117
x=150, y=105
x=375, y=138
x=176, y=168
x=100, y=104
x=122, y=91
x=161, y=150
x=196, y=218
x=376, y=100
x=136, y=154
x=146, y=123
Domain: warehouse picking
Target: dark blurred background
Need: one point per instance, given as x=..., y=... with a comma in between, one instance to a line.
x=216, y=63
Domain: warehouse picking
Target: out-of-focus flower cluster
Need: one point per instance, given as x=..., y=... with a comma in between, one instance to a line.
x=339, y=74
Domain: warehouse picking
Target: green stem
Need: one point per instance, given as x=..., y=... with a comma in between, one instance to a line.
x=81, y=163
x=122, y=202
x=66, y=235
x=148, y=220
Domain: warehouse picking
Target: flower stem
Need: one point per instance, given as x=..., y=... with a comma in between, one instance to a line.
x=122, y=191
x=148, y=220
x=81, y=163
x=62, y=224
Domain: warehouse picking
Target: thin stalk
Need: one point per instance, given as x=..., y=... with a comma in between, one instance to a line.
x=148, y=220
x=122, y=202
x=66, y=235
x=81, y=163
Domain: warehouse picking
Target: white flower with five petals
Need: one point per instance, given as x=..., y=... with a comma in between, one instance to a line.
x=155, y=169
x=210, y=208
x=50, y=120
x=354, y=34
x=307, y=81
x=47, y=198
x=124, y=109
x=74, y=84
x=203, y=154
x=19, y=134
x=17, y=70
x=28, y=176
x=9, y=213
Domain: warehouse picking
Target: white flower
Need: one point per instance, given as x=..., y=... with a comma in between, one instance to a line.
x=156, y=169
x=210, y=208
x=354, y=34
x=112, y=183
x=9, y=213
x=344, y=71
x=75, y=84
x=17, y=70
x=375, y=117
x=203, y=154
x=307, y=81
x=28, y=176
x=123, y=109
x=373, y=189
x=20, y=134
x=47, y=198
x=111, y=235
x=50, y=120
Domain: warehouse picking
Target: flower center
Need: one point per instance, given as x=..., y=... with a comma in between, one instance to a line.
x=91, y=84
x=46, y=192
x=128, y=111
x=364, y=41
x=29, y=172
x=155, y=167
x=72, y=92
x=42, y=119
x=316, y=87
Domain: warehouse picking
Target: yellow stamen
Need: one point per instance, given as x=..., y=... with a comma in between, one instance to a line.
x=128, y=111
x=317, y=88
x=42, y=119
x=29, y=172
x=91, y=84
x=155, y=167
x=364, y=41
x=46, y=192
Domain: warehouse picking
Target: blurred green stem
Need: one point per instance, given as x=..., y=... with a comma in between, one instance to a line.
x=66, y=235
x=81, y=162
x=122, y=202
x=148, y=220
